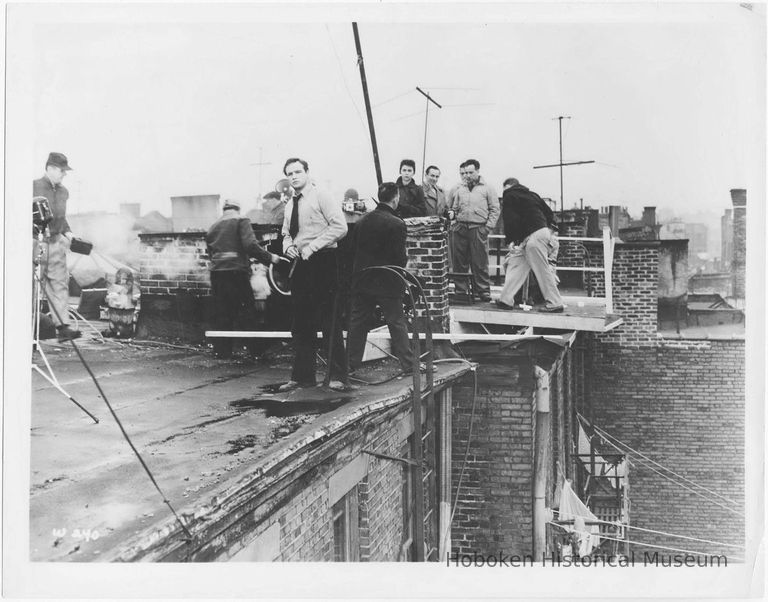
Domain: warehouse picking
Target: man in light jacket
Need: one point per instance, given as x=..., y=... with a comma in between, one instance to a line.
x=476, y=207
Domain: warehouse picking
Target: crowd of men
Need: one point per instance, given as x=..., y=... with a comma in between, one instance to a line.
x=313, y=225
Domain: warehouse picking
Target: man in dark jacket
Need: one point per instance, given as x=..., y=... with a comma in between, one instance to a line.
x=54, y=274
x=379, y=240
x=412, y=203
x=231, y=242
x=531, y=232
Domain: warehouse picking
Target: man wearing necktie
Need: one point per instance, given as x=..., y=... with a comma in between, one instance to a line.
x=312, y=226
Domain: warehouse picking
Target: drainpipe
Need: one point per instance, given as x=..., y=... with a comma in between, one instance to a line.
x=445, y=473
x=541, y=462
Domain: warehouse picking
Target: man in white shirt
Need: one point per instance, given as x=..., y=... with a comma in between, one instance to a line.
x=313, y=224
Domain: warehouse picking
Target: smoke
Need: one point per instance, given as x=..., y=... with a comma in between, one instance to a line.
x=112, y=235
x=259, y=281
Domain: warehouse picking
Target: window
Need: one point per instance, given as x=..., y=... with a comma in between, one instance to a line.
x=346, y=532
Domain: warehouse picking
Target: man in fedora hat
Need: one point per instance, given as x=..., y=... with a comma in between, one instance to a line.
x=231, y=242
x=54, y=273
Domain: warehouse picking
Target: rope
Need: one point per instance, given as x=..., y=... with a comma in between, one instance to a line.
x=619, y=524
x=648, y=545
x=466, y=456
x=634, y=451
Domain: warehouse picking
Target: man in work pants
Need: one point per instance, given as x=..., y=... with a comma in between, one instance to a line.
x=312, y=226
x=54, y=273
x=476, y=207
x=530, y=229
x=230, y=242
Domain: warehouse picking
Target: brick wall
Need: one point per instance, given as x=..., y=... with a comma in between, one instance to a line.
x=682, y=404
x=173, y=261
x=427, y=250
x=635, y=294
x=305, y=519
x=494, y=509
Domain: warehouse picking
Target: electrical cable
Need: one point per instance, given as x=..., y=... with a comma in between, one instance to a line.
x=344, y=79
x=646, y=544
x=123, y=431
x=610, y=439
x=466, y=453
x=623, y=526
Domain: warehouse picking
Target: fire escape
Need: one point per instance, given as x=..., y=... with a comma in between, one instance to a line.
x=602, y=482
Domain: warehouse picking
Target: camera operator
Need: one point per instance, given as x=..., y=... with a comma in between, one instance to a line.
x=54, y=273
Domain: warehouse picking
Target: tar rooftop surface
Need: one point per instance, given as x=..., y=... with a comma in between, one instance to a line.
x=199, y=423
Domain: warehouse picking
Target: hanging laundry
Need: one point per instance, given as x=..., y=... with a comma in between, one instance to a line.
x=572, y=508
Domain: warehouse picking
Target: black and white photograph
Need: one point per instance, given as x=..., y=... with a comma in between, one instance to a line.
x=322, y=290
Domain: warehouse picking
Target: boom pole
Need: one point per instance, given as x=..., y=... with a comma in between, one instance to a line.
x=371, y=129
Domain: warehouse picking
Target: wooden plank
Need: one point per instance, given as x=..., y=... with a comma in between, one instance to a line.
x=570, y=320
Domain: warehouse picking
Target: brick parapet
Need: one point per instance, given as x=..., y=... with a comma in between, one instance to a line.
x=427, y=250
x=174, y=262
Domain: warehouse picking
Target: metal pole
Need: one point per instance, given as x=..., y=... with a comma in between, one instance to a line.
x=541, y=462
x=424, y=152
x=371, y=129
x=426, y=117
x=560, y=127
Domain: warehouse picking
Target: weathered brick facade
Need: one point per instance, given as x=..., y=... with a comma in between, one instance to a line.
x=681, y=404
x=174, y=261
x=494, y=510
x=305, y=520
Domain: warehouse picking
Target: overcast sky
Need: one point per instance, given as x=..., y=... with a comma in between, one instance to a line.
x=150, y=102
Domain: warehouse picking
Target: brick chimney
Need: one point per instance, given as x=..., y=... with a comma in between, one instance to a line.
x=649, y=216
x=739, y=258
x=428, y=260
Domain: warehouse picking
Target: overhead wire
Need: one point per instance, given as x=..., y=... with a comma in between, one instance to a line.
x=623, y=526
x=611, y=438
x=343, y=78
x=648, y=545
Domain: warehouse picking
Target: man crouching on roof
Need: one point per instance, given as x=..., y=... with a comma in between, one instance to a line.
x=531, y=232
x=312, y=226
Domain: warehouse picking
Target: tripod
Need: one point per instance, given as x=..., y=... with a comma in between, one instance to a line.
x=37, y=293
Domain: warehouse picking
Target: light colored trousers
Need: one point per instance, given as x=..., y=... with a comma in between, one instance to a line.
x=54, y=276
x=538, y=252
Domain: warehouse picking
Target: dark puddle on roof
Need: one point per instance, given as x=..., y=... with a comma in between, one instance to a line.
x=280, y=408
x=290, y=416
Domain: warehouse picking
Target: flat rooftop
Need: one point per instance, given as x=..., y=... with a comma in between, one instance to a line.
x=201, y=425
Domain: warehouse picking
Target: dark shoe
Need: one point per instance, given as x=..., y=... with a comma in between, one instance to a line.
x=553, y=309
x=485, y=298
x=501, y=305
x=67, y=334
